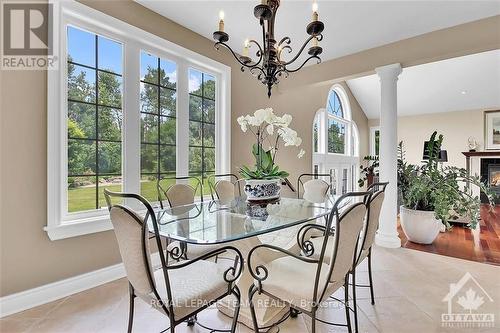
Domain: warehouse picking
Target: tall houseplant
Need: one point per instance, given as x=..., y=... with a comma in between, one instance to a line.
x=263, y=180
x=433, y=195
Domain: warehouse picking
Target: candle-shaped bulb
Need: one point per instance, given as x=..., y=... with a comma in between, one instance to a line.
x=315, y=11
x=245, y=48
x=221, y=21
x=315, y=41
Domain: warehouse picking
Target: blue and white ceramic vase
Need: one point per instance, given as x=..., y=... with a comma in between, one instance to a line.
x=262, y=189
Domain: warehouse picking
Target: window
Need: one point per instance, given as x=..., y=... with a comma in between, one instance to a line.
x=158, y=110
x=316, y=135
x=94, y=121
x=335, y=142
x=334, y=106
x=123, y=113
x=336, y=137
x=374, y=141
x=201, y=125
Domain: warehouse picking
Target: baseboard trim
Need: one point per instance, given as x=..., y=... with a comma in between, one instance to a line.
x=30, y=298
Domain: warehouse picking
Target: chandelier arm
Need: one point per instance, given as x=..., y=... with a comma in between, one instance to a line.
x=281, y=72
x=281, y=49
x=261, y=53
x=234, y=54
x=284, y=40
x=302, y=48
x=307, y=60
x=251, y=70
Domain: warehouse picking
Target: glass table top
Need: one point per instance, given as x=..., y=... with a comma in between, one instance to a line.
x=215, y=222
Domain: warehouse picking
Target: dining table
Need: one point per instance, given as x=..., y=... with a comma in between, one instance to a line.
x=244, y=225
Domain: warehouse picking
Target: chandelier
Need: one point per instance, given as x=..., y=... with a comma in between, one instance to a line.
x=269, y=66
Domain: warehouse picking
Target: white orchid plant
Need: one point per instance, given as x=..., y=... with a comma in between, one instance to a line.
x=271, y=129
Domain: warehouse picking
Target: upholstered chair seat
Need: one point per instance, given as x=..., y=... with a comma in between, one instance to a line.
x=287, y=277
x=187, y=284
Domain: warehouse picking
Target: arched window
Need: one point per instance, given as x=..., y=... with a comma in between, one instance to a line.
x=335, y=142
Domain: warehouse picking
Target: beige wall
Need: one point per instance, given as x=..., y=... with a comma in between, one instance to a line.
x=29, y=259
x=456, y=128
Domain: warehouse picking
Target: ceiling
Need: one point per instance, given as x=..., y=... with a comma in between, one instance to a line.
x=466, y=83
x=350, y=26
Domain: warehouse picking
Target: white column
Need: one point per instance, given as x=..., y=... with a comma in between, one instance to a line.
x=387, y=234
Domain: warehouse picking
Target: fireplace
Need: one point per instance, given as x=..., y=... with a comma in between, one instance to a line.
x=490, y=174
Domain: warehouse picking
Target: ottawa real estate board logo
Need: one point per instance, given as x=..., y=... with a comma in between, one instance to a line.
x=468, y=305
x=27, y=35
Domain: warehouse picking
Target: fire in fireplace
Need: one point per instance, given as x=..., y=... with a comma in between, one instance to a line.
x=494, y=176
x=490, y=175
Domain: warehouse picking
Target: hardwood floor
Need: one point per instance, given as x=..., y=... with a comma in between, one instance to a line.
x=481, y=245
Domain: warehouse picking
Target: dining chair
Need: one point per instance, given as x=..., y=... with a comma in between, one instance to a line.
x=224, y=189
x=372, y=223
x=366, y=239
x=314, y=189
x=305, y=283
x=178, y=194
x=178, y=290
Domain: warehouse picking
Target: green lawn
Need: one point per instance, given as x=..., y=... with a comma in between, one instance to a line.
x=84, y=198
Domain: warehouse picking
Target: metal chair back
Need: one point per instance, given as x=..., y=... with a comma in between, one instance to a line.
x=220, y=189
x=178, y=194
x=300, y=181
x=132, y=233
x=372, y=218
x=345, y=229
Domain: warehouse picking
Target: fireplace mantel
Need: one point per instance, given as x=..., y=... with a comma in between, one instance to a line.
x=481, y=153
x=473, y=165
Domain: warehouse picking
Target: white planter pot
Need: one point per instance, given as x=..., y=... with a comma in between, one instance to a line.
x=419, y=226
x=262, y=189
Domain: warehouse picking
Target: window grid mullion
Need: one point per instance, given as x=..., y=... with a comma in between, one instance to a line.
x=96, y=123
x=158, y=121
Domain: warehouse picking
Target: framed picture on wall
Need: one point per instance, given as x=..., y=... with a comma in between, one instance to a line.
x=492, y=130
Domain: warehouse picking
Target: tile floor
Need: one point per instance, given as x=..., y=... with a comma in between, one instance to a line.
x=409, y=288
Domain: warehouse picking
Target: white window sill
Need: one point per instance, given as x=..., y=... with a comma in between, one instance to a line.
x=80, y=227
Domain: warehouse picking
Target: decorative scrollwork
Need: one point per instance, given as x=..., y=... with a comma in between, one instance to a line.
x=307, y=248
x=234, y=272
x=177, y=250
x=230, y=275
x=303, y=235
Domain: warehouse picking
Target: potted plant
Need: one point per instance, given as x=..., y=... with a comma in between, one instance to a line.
x=368, y=172
x=434, y=195
x=263, y=182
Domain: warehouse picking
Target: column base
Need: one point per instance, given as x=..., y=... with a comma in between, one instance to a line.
x=390, y=241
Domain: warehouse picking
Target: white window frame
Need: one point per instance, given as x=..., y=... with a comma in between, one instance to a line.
x=372, y=139
x=326, y=160
x=60, y=223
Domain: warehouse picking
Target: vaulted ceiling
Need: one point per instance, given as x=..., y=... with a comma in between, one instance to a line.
x=465, y=83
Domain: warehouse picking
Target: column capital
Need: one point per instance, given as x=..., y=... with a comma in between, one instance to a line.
x=391, y=71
